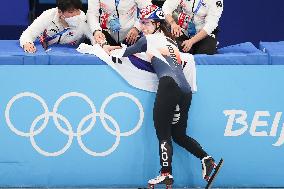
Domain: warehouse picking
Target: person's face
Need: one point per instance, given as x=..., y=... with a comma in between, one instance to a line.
x=148, y=26
x=69, y=13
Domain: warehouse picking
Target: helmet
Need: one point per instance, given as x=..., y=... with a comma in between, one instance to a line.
x=152, y=12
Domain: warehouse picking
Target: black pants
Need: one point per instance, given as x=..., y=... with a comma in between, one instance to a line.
x=170, y=119
x=208, y=45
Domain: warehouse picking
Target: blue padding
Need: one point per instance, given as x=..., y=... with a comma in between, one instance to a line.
x=240, y=54
x=67, y=55
x=12, y=53
x=246, y=48
x=232, y=59
x=275, y=51
x=11, y=60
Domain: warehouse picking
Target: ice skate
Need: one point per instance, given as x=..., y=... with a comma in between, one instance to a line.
x=163, y=178
x=209, y=165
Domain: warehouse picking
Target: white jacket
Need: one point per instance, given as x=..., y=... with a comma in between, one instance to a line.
x=126, y=12
x=48, y=22
x=207, y=16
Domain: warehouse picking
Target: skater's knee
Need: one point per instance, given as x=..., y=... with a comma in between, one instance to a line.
x=178, y=138
x=167, y=85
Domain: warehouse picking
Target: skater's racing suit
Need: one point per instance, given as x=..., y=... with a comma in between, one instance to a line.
x=173, y=96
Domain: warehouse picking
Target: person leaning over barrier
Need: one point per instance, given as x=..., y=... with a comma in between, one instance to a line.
x=117, y=22
x=173, y=98
x=65, y=24
x=197, y=26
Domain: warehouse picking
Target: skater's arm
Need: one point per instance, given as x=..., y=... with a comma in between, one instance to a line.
x=140, y=46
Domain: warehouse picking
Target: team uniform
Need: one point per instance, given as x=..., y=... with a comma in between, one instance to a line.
x=117, y=17
x=49, y=30
x=194, y=16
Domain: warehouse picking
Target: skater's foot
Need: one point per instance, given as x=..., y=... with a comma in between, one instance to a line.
x=163, y=178
x=208, y=164
x=211, y=179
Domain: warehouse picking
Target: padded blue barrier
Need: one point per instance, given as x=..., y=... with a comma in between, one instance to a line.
x=245, y=48
x=275, y=50
x=236, y=114
x=240, y=54
x=11, y=60
x=55, y=55
x=12, y=53
x=67, y=55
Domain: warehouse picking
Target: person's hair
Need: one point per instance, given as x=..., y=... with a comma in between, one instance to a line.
x=65, y=5
x=165, y=28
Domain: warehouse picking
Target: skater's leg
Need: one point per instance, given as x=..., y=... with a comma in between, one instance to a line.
x=190, y=144
x=179, y=129
x=166, y=100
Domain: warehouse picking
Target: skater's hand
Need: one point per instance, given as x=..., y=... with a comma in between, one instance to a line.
x=29, y=47
x=108, y=48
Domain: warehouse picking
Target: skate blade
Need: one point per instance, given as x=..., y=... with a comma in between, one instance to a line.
x=152, y=186
x=216, y=171
x=168, y=185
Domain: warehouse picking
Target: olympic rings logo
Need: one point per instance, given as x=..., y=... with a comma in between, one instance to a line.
x=69, y=131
